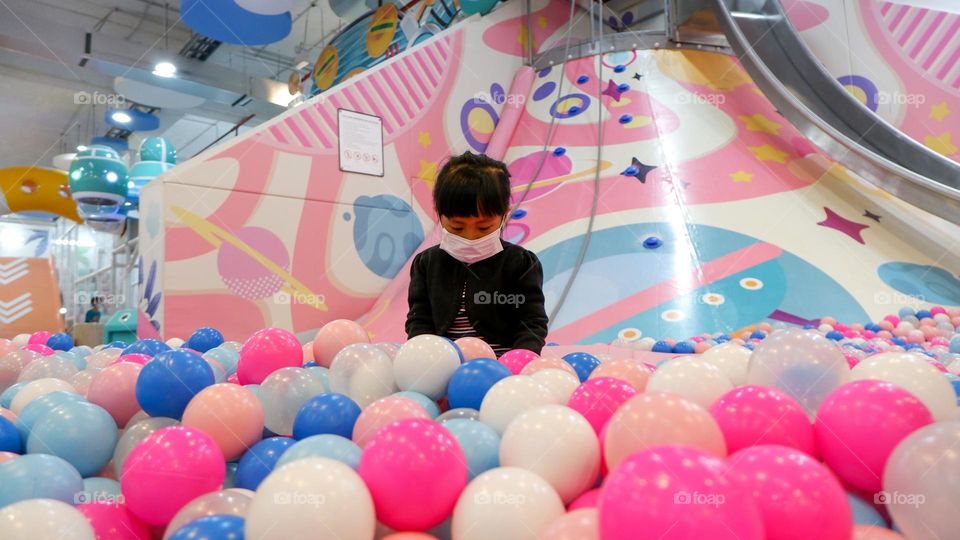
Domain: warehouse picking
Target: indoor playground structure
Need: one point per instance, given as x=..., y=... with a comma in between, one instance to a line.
x=748, y=218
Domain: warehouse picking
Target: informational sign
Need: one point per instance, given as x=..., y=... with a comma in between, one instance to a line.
x=361, y=142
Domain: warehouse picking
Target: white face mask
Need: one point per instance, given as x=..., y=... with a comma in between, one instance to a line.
x=471, y=251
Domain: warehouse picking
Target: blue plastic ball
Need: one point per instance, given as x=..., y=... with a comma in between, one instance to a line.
x=480, y=444
x=6, y=397
x=330, y=413
x=9, y=437
x=809, y=326
x=956, y=388
x=329, y=446
x=230, y=480
x=684, y=347
x=722, y=339
x=835, y=335
x=758, y=335
x=81, y=433
x=899, y=341
x=75, y=359
x=149, y=347
x=662, y=347
x=118, y=345
x=310, y=364
x=260, y=460
x=864, y=513
x=100, y=490
x=924, y=314
x=472, y=380
x=39, y=476
x=216, y=527
x=428, y=404
x=60, y=342
x=583, y=363
x=955, y=344
x=204, y=339
x=168, y=382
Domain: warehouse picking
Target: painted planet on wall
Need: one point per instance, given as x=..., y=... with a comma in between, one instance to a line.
x=325, y=70
x=381, y=30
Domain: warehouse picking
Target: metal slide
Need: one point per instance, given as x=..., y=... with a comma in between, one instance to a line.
x=788, y=73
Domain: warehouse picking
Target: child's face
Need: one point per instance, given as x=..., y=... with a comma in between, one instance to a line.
x=471, y=227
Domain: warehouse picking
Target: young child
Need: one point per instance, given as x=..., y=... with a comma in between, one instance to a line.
x=474, y=283
x=93, y=314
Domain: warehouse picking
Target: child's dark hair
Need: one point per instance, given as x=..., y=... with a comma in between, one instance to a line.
x=472, y=185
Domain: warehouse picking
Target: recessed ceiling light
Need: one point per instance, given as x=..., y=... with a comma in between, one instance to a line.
x=120, y=116
x=164, y=69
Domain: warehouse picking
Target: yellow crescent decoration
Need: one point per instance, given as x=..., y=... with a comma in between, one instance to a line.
x=36, y=189
x=216, y=236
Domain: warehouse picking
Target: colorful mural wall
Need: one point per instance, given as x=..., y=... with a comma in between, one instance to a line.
x=901, y=61
x=29, y=296
x=266, y=230
x=710, y=211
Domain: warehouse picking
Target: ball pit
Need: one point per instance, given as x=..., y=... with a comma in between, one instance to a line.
x=829, y=432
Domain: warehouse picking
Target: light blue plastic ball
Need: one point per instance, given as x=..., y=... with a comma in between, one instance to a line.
x=39, y=476
x=100, y=490
x=479, y=442
x=328, y=446
x=431, y=406
x=83, y=434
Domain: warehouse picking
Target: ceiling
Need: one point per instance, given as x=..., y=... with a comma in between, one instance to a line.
x=41, y=117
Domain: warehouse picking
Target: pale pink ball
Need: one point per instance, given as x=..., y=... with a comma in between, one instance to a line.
x=886, y=325
x=701, y=347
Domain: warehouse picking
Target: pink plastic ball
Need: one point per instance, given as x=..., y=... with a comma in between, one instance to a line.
x=115, y=389
x=38, y=348
x=517, y=359
x=7, y=456
x=860, y=423
x=334, y=336
x=817, y=507
x=640, y=500
x=112, y=521
x=856, y=327
x=169, y=469
x=701, y=347
x=473, y=348
x=233, y=379
x=696, y=339
x=852, y=360
x=849, y=334
x=39, y=338
x=886, y=325
x=754, y=415
x=936, y=310
x=267, y=351
x=589, y=499
x=892, y=319
x=597, y=399
x=134, y=358
x=415, y=470
x=547, y=362
x=382, y=413
x=765, y=327
x=884, y=334
x=938, y=365
x=869, y=334
x=307, y=352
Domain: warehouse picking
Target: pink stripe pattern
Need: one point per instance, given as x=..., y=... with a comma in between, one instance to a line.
x=907, y=24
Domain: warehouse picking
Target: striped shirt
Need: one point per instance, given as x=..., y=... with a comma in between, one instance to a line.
x=462, y=327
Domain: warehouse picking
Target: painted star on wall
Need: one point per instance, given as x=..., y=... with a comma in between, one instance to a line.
x=427, y=172
x=424, y=139
x=759, y=122
x=768, y=153
x=871, y=215
x=741, y=176
x=637, y=76
x=940, y=111
x=942, y=143
x=613, y=90
x=642, y=170
x=844, y=225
